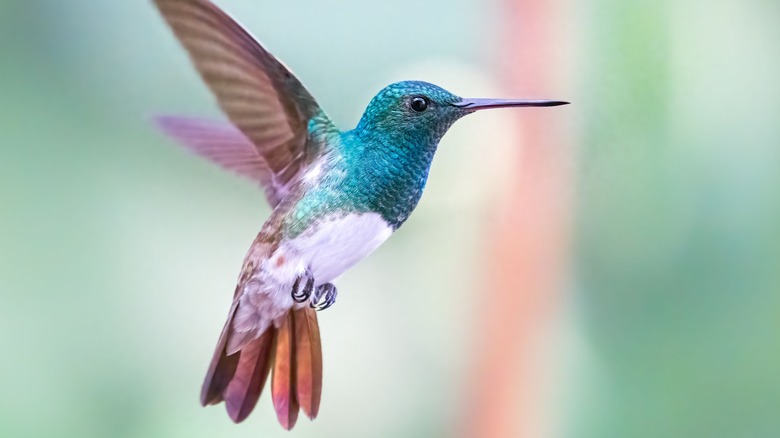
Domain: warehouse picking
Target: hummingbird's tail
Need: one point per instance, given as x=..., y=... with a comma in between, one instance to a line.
x=292, y=350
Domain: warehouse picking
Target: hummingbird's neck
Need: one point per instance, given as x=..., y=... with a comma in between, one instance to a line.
x=389, y=172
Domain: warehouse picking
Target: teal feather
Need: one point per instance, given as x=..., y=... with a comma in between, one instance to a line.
x=382, y=165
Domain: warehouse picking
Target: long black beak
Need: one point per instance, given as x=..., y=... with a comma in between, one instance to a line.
x=478, y=104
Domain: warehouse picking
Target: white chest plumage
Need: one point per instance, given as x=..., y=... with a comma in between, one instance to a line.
x=328, y=250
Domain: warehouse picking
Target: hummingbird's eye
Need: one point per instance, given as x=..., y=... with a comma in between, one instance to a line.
x=419, y=104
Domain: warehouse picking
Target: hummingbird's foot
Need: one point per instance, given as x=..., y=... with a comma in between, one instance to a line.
x=329, y=292
x=302, y=294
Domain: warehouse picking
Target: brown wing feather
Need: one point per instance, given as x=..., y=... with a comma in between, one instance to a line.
x=224, y=145
x=257, y=92
x=272, y=109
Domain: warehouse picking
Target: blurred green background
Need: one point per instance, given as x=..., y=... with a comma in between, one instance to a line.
x=119, y=252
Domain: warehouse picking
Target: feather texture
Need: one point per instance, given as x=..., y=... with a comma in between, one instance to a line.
x=283, y=380
x=260, y=96
x=308, y=361
x=222, y=368
x=249, y=379
x=225, y=145
x=292, y=351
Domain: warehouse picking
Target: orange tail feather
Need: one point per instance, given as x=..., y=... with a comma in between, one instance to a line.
x=308, y=361
x=244, y=389
x=294, y=352
x=283, y=382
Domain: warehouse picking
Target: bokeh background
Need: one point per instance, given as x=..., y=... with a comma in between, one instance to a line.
x=607, y=269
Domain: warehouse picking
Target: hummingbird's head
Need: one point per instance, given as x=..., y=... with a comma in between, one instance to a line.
x=412, y=110
x=421, y=113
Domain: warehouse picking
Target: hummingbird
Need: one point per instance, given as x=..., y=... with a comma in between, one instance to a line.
x=336, y=196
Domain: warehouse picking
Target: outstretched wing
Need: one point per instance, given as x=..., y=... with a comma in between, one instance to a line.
x=220, y=142
x=260, y=96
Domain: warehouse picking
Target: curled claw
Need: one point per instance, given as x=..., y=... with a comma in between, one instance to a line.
x=302, y=295
x=330, y=300
x=316, y=296
x=329, y=292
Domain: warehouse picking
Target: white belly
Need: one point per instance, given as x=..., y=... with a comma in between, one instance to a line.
x=329, y=249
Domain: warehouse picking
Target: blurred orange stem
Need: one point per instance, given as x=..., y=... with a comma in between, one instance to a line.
x=528, y=242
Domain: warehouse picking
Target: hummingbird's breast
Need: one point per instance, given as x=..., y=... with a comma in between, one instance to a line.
x=331, y=246
x=341, y=210
x=346, y=204
x=382, y=177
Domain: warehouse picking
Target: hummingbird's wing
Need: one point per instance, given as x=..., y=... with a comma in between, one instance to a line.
x=268, y=140
x=225, y=145
x=260, y=96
